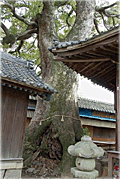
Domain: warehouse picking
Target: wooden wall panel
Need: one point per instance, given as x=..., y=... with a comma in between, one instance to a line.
x=101, y=134
x=14, y=114
x=104, y=139
x=103, y=114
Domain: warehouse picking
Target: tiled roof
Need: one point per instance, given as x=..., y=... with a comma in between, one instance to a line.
x=22, y=72
x=94, y=58
x=59, y=45
x=95, y=105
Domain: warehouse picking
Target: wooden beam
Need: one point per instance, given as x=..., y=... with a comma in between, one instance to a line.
x=73, y=50
x=108, y=36
x=93, y=52
x=104, y=71
x=57, y=58
x=95, y=66
x=110, y=78
x=86, y=67
x=100, y=38
x=88, y=55
x=113, y=46
x=118, y=107
x=109, y=49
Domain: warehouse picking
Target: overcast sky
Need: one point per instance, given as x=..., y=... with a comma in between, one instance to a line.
x=91, y=91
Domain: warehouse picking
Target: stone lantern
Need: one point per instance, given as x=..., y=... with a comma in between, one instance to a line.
x=86, y=152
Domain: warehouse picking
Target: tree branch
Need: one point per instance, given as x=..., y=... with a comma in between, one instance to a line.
x=27, y=34
x=11, y=38
x=101, y=9
x=71, y=11
x=113, y=21
x=104, y=21
x=17, y=16
x=31, y=46
x=59, y=3
x=5, y=29
x=18, y=48
x=96, y=26
x=104, y=12
x=108, y=14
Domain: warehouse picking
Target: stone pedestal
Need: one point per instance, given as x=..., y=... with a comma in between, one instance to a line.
x=86, y=152
x=84, y=174
x=11, y=168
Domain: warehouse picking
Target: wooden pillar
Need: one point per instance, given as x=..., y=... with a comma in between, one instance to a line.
x=115, y=108
x=118, y=107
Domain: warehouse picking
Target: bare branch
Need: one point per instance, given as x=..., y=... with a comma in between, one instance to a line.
x=101, y=9
x=11, y=38
x=62, y=27
x=5, y=29
x=108, y=14
x=113, y=21
x=38, y=65
x=71, y=11
x=104, y=12
x=104, y=21
x=96, y=26
x=31, y=46
x=17, y=16
x=27, y=34
x=18, y=48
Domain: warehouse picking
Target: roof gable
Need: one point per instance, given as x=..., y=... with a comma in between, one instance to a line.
x=20, y=71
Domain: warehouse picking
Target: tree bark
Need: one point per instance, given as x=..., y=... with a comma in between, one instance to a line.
x=83, y=25
x=62, y=105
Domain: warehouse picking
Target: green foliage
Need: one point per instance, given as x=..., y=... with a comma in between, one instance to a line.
x=28, y=10
x=86, y=131
x=107, y=16
x=65, y=18
x=65, y=15
x=34, y=7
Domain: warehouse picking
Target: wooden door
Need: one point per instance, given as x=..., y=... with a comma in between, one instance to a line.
x=14, y=111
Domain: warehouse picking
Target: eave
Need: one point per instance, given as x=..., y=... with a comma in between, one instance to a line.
x=25, y=86
x=43, y=93
x=95, y=58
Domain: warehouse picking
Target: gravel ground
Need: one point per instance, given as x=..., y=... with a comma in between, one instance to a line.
x=65, y=177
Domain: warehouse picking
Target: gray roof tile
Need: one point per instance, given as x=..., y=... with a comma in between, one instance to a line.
x=58, y=44
x=95, y=105
x=22, y=71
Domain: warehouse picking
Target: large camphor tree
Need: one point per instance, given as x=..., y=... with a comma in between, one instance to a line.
x=29, y=28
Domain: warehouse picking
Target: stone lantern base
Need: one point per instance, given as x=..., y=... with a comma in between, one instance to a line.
x=11, y=168
x=84, y=174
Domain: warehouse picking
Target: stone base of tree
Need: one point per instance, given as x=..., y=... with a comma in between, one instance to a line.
x=83, y=174
x=11, y=168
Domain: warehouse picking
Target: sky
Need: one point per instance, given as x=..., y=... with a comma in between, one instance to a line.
x=95, y=92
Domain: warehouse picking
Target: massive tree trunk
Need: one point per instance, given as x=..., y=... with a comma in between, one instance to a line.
x=63, y=105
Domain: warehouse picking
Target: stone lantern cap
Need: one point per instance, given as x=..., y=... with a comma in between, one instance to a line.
x=85, y=149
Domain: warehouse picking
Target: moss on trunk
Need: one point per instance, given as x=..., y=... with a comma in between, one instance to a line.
x=64, y=80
